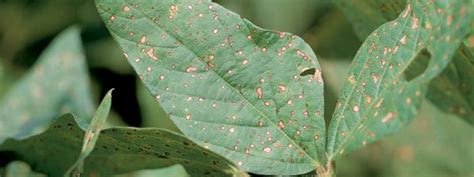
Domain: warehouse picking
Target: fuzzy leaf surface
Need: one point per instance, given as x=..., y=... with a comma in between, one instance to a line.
x=252, y=95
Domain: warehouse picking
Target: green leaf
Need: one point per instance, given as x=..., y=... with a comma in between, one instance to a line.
x=118, y=151
x=227, y=84
x=377, y=99
x=20, y=169
x=449, y=91
x=368, y=15
x=92, y=134
x=121, y=150
x=57, y=84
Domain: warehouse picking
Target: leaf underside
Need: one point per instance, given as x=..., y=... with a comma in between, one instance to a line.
x=57, y=84
x=377, y=99
x=227, y=84
x=118, y=150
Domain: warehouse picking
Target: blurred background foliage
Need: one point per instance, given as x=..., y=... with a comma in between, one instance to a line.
x=434, y=145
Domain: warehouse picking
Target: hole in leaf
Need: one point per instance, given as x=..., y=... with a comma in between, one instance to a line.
x=418, y=65
x=309, y=71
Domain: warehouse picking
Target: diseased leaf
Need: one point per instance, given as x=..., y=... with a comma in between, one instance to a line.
x=92, y=134
x=121, y=150
x=58, y=83
x=252, y=95
x=367, y=15
x=377, y=99
x=20, y=169
x=118, y=150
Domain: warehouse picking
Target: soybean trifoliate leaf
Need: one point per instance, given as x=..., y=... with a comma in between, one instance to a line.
x=252, y=95
x=377, y=99
x=117, y=151
x=57, y=84
x=92, y=134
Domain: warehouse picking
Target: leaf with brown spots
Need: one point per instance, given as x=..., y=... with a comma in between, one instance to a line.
x=58, y=83
x=377, y=98
x=117, y=151
x=252, y=95
x=450, y=91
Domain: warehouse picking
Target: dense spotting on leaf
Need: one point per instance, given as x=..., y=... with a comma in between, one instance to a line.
x=377, y=98
x=252, y=95
x=448, y=91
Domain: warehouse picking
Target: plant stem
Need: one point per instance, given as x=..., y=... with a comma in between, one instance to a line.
x=327, y=171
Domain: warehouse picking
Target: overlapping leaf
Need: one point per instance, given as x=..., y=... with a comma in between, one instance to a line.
x=377, y=99
x=118, y=150
x=229, y=85
x=58, y=83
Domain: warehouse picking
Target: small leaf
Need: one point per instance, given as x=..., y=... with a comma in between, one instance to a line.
x=58, y=83
x=92, y=134
x=377, y=99
x=227, y=84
